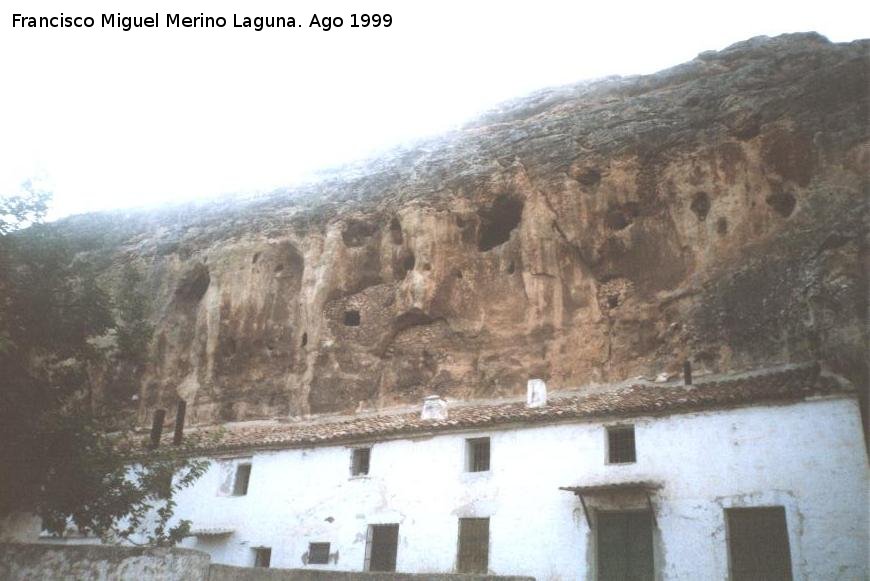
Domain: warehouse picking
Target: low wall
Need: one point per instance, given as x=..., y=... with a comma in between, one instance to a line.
x=228, y=573
x=38, y=562
x=35, y=562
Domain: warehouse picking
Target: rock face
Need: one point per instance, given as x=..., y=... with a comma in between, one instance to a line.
x=713, y=212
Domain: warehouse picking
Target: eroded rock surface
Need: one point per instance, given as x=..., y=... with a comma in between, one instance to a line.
x=714, y=211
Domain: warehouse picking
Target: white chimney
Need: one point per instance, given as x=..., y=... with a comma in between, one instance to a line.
x=434, y=408
x=536, y=393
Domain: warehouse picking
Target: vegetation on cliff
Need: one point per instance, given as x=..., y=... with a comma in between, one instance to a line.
x=56, y=332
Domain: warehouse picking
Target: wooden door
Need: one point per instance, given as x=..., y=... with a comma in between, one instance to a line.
x=625, y=549
x=383, y=545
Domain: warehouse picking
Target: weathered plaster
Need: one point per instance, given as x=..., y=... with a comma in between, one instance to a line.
x=808, y=457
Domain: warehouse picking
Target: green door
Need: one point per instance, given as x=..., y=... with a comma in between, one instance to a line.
x=625, y=550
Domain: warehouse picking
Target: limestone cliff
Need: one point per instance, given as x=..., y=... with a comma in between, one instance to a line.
x=714, y=211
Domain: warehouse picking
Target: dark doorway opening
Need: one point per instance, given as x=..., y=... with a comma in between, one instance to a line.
x=381, y=547
x=262, y=557
x=758, y=544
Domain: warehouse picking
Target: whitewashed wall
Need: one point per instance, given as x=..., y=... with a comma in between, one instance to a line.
x=808, y=457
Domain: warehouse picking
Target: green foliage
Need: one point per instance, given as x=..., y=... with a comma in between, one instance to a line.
x=134, y=331
x=54, y=303
x=116, y=496
x=23, y=209
x=57, y=458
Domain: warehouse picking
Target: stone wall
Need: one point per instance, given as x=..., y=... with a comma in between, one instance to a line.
x=228, y=573
x=19, y=527
x=26, y=562
x=98, y=563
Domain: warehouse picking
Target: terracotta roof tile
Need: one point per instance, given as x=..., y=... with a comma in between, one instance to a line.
x=632, y=400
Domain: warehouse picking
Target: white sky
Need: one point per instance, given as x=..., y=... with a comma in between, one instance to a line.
x=111, y=119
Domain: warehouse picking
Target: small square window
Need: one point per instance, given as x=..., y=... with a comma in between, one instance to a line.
x=359, y=465
x=620, y=445
x=243, y=477
x=477, y=455
x=351, y=318
x=318, y=553
x=262, y=557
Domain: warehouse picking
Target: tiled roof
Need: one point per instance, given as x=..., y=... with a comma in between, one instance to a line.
x=631, y=400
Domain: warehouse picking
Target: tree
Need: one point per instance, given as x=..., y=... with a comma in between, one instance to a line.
x=23, y=209
x=59, y=460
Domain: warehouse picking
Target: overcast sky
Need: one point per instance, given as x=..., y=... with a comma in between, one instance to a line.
x=110, y=119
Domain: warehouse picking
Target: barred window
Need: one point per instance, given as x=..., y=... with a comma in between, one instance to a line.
x=359, y=464
x=620, y=445
x=477, y=455
x=318, y=553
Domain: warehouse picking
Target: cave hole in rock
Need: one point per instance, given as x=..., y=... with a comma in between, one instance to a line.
x=783, y=203
x=357, y=232
x=616, y=220
x=304, y=339
x=722, y=225
x=612, y=301
x=427, y=266
x=589, y=177
x=700, y=205
x=412, y=318
x=396, y=231
x=409, y=262
x=498, y=221
x=622, y=216
x=512, y=267
x=834, y=241
x=458, y=274
x=351, y=318
x=404, y=265
x=279, y=268
x=194, y=284
x=255, y=258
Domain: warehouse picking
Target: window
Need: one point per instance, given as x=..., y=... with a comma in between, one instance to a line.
x=262, y=557
x=351, y=319
x=758, y=544
x=243, y=477
x=477, y=455
x=318, y=553
x=620, y=445
x=359, y=461
x=382, y=543
x=473, y=552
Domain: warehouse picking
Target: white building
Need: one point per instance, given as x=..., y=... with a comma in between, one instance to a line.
x=762, y=476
